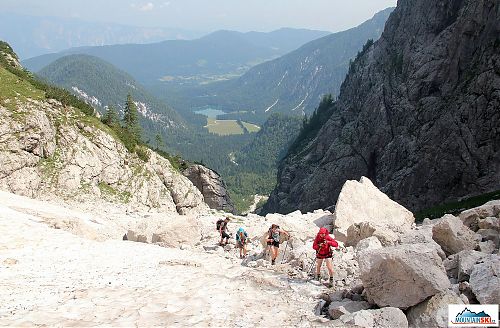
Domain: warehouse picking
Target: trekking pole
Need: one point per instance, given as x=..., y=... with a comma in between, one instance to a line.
x=309, y=271
x=284, y=253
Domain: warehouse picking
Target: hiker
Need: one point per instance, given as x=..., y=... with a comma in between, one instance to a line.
x=241, y=242
x=222, y=227
x=322, y=245
x=273, y=241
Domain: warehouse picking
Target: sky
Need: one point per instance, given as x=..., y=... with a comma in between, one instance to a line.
x=209, y=15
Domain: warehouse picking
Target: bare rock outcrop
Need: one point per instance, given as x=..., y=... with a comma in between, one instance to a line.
x=402, y=276
x=50, y=150
x=417, y=114
x=211, y=186
x=362, y=210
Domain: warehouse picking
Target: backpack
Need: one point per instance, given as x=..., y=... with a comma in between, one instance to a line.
x=218, y=224
x=245, y=234
x=276, y=235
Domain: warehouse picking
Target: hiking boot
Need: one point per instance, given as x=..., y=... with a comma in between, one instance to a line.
x=317, y=277
x=272, y=262
x=330, y=283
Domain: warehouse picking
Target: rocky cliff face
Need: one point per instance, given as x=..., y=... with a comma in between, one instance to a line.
x=211, y=186
x=49, y=150
x=418, y=113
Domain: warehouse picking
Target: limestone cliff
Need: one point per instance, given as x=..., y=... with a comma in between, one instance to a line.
x=419, y=113
x=49, y=150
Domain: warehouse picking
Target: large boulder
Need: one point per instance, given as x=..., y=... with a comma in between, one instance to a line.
x=432, y=312
x=453, y=236
x=402, y=276
x=386, y=317
x=212, y=187
x=167, y=231
x=485, y=280
x=360, y=202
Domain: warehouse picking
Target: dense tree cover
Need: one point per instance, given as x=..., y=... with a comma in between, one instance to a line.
x=255, y=167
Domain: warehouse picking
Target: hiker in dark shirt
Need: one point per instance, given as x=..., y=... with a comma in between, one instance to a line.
x=273, y=241
x=223, y=232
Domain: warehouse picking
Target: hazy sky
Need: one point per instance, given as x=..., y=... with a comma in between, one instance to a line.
x=209, y=15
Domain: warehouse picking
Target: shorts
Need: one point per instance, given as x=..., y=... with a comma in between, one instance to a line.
x=322, y=257
x=240, y=244
x=274, y=243
x=225, y=235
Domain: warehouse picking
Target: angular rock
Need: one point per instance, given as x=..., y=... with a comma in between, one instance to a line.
x=464, y=289
x=211, y=186
x=487, y=247
x=432, y=312
x=453, y=236
x=402, y=276
x=368, y=244
x=490, y=223
x=485, y=279
x=338, y=309
x=422, y=234
x=318, y=309
x=388, y=317
x=466, y=261
x=361, y=202
x=472, y=217
x=490, y=234
x=451, y=266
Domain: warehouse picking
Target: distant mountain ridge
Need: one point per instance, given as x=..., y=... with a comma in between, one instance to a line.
x=43, y=35
x=294, y=83
x=221, y=52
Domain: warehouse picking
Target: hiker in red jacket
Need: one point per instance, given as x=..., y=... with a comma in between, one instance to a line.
x=323, y=244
